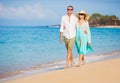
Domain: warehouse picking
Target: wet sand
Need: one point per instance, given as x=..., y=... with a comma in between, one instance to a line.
x=106, y=71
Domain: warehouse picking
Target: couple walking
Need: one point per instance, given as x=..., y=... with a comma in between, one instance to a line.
x=75, y=29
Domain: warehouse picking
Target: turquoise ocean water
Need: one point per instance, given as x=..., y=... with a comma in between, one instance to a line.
x=32, y=49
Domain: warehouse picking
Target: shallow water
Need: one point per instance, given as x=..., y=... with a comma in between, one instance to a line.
x=25, y=49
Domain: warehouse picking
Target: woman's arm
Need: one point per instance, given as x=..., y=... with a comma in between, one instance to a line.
x=89, y=33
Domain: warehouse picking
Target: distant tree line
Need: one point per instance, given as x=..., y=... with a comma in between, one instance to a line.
x=97, y=19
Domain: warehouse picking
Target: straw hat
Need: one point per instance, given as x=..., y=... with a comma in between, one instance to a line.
x=83, y=12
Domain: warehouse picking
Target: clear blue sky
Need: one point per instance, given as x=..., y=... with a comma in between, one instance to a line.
x=49, y=12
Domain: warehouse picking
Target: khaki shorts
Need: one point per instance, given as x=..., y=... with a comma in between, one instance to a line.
x=69, y=42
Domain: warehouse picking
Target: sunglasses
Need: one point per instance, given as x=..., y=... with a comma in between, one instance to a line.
x=81, y=14
x=70, y=9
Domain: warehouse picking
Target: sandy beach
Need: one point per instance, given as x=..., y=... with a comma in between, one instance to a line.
x=106, y=26
x=107, y=71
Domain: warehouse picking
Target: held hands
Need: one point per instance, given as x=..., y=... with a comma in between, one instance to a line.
x=85, y=31
x=61, y=37
x=88, y=44
x=61, y=40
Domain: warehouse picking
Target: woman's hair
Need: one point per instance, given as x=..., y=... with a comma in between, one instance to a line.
x=84, y=17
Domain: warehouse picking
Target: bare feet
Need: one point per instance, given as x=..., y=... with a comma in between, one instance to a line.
x=72, y=64
x=78, y=65
x=66, y=67
x=82, y=62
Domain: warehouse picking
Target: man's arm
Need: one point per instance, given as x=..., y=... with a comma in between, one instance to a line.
x=61, y=30
x=61, y=34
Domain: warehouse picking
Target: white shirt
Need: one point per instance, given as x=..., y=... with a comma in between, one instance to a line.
x=68, y=27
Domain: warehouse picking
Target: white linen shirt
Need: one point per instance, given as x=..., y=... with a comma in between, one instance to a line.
x=68, y=28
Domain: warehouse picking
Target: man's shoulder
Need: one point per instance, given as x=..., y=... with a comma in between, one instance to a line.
x=74, y=17
x=64, y=16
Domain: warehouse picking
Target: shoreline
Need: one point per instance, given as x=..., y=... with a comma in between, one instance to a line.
x=59, y=65
x=105, y=26
x=58, y=26
x=106, y=69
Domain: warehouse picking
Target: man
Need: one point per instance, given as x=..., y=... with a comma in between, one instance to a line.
x=68, y=30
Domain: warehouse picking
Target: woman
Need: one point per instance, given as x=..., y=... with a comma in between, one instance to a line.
x=83, y=36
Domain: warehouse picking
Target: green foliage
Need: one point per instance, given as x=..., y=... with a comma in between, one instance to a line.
x=97, y=19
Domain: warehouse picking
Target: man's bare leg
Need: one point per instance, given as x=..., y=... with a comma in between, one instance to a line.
x=71, y=59
x=68, y=58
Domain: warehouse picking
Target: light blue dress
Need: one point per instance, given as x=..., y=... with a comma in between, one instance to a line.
x=82, y=38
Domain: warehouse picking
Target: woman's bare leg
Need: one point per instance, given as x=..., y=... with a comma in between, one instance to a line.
x=80, y=59
x=83, y=59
